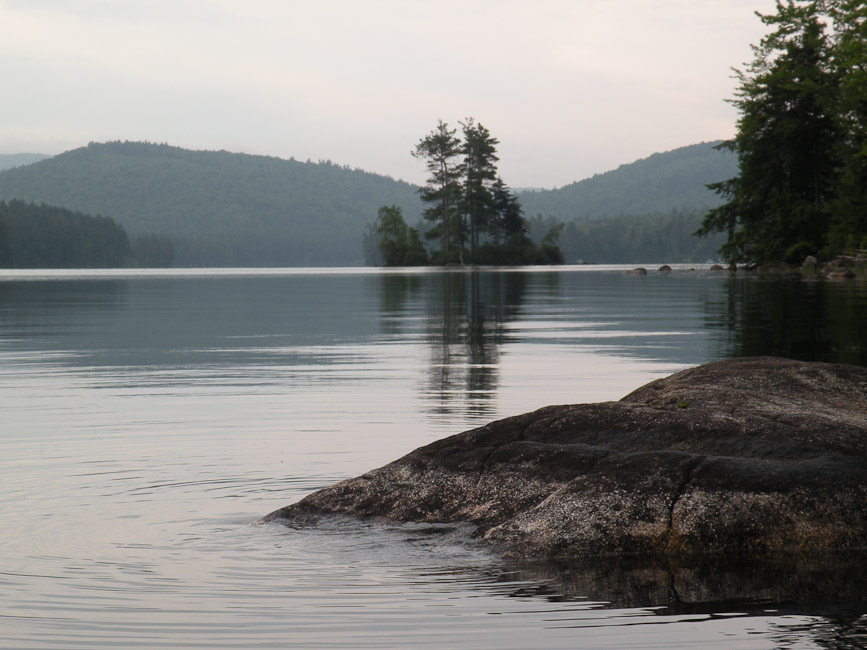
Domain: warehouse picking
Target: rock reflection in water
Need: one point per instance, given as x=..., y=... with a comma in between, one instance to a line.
x=827, y=586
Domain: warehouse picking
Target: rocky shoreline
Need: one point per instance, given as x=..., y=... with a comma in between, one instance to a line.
x=842, y=267
x=736, y=455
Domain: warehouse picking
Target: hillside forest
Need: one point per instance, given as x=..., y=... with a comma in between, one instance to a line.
x=41, y=236
x=201, y=208
x=217, y=208
x=791, y=183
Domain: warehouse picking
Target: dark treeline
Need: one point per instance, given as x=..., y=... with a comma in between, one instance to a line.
x=801, y=139
x=43, y=236
x=630, y=239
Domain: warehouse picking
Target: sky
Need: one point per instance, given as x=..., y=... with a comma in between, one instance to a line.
x=570, y=88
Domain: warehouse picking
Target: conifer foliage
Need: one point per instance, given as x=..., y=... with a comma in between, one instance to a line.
x=46, y=236
x=474, y=216
x=800, y=139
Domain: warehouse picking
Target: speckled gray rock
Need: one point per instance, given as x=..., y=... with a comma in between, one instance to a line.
x=740, y=454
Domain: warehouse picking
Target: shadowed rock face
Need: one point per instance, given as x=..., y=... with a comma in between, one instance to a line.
x=741, y=454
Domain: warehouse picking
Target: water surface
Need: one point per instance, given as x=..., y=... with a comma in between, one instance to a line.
x=147, y=419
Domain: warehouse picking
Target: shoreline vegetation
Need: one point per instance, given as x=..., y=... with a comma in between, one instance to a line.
x=473, y=216
x=36, y=236
x=796, y=203
x=801, y=142
x=848, y=266
x=221, y=209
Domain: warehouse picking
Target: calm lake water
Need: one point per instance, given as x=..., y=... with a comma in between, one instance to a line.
x=148, y=419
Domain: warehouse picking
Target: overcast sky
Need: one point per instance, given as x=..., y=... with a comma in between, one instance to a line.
x=570, y=87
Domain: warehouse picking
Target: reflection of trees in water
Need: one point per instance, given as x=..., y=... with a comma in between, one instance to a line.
x=465, y=315
x=394, y=294
x=38, y=310
x=793, y=318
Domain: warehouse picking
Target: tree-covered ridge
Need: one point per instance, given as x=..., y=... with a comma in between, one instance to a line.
x=44, y=236
x=218, y=208
x=801, y=141
x=674, y=180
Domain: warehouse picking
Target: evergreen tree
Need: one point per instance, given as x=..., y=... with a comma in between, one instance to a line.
x=849, y=209
x=786, y=143
x=470, y=203
x=508, y=225
x=480, y=172
x=44, y=236
x=440, y=150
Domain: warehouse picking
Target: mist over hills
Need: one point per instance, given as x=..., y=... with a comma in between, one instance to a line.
x=233, y=209
x=8, y=160
x=663, y=182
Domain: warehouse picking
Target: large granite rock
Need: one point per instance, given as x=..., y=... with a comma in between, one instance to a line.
x=741, y=454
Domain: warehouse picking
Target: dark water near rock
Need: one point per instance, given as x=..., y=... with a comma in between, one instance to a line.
x=147, y=419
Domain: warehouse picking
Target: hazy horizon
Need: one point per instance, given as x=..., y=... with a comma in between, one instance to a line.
x=570, y=88
x=3, y=166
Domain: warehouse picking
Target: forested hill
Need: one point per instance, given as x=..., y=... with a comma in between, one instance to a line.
x=44, y=236
x=661, y=183
x=229, y=209
x=8, y=160
x=218, y=208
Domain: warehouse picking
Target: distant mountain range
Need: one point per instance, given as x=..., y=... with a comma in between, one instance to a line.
x=230, y=209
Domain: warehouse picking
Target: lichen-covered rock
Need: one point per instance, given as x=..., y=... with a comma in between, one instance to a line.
x=740, y=454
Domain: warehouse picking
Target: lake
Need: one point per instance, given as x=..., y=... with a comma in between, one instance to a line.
x=149, y=418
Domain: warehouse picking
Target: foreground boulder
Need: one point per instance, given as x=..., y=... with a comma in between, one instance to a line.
x=742, y=454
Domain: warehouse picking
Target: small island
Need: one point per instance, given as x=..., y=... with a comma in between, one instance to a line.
x=475, y=218
x=746, y=454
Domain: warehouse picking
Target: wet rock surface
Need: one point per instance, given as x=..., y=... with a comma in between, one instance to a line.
x=743, y=454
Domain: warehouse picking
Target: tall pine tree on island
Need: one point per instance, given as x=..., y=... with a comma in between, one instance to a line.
x=480, y=172
x=440, y=149
x=476, y=218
